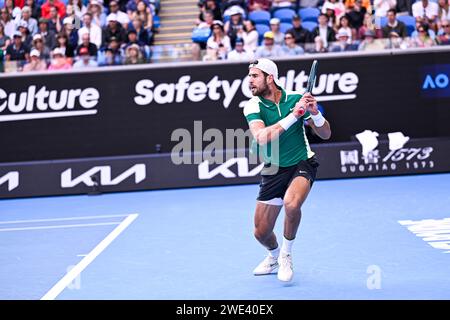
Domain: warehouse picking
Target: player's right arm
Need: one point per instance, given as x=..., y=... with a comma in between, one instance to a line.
x=263, y=134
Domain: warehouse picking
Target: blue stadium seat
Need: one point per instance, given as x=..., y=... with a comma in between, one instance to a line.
x=201, y=34
x=309, y=14
x=285, y=15
x=383, y=21
x=156, y=22
x=410, y=23
x=284, y=26
x=261, y=28
x=309, y=25
x=260, y=17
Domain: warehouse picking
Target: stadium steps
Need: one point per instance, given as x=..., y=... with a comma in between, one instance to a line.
x=177, y=20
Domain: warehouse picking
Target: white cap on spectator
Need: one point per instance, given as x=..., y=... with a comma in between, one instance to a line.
x=35, y=53
x=328, y=5
x=57, y=51
x=274, y=21
x=17, y=34
x=111, y=17
x=26, y=9
x=37, y=36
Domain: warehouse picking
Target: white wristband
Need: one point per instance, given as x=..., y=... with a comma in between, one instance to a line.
x=288, y=121
x=318, y=119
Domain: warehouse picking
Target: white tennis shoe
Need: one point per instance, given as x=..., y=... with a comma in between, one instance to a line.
x=286, y=271
x=267, y=266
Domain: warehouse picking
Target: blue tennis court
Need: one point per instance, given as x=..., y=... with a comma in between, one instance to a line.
x=374, y=238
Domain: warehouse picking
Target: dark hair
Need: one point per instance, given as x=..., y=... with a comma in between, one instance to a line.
x=324, y=15
x=393, y=11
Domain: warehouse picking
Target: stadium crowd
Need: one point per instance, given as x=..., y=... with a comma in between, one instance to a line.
x=65, y=34
x=266, y=28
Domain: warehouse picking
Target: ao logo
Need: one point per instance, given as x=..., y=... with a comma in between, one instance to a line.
x=440, y=81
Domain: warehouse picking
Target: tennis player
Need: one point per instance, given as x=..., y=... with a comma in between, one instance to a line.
x=290, y=169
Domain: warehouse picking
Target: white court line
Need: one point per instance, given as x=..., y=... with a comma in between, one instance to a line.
x=74, y=272
x=64, y=219
x=62, y=226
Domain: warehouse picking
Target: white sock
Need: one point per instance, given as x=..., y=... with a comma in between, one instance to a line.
x=287, y=245
x=275, y=252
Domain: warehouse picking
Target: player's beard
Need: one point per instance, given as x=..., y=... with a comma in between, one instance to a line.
x=263, y=91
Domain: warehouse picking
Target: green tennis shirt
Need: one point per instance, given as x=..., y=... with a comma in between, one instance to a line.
x=292, y=145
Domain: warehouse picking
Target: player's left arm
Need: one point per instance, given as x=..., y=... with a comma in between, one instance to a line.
x=318, y=123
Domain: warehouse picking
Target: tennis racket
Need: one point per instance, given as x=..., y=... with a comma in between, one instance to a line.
x=311, y=79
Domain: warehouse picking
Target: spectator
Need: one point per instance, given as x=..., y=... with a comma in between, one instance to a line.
x=366, y=4
x=60, y=8
x=48, y=37
x=86, y=43
x=39, y=45
x=23, y=29
x=115, y=30
x=5, y=41
x=35, y=9
x=336, y=5
x=394, y=25
x=142, y=34
x=36, y=63
x=208, y=19
x=382, y=6
x=422, y=39
x=8, y=24
x=344, y=25
x=343, y=43
x=369, y=43
x=73, y=16
x=302, y=35
x=120, y=16
x=291, y=48
x=395, y=41
x=17, y=50
x=133, y=40
x=328, y=10
x=145, y=13
x=54, y=21
x=368, y=24
x=319, y=46
x=114, y=46
x=356, y=14
x=240, y=53
x=84, y=60
x=404, y=7
x=133, y=55
x=275, y=28
x=253, y=5
x=250, y=36
x=227, y=4
x=31, y=22
x=268, y=48
x=78, y=7
x=218, y=44
x=94, y=31
x=98, y=16
x=444, y=37
x=14, y=11
x=59, y=61
x=431, y=32
x=425, y=11
x=209, y=5
x=71, y=33
x=110, y=59
x=443, y=11
x=233, y=26
x=323, y=30
x=66, y=48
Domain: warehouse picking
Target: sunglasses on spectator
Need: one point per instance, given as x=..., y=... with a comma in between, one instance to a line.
x=288, y=38
x=445, y=25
